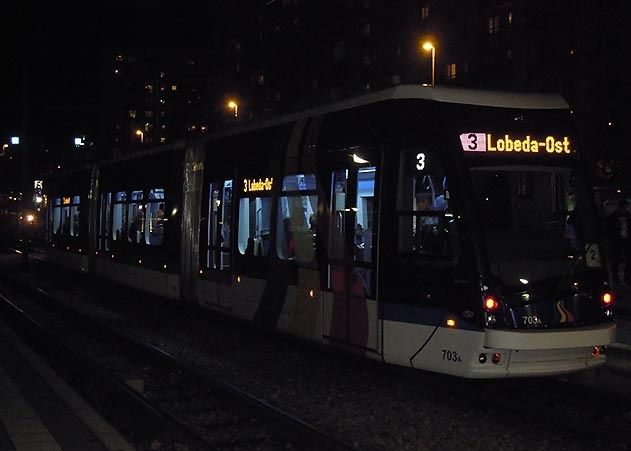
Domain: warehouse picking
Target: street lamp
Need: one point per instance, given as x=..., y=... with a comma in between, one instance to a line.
x=234, y=106
x=141, y=134
x=428, y=46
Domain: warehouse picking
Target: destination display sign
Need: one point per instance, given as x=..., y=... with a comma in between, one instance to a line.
x=254, y=185
x=509, y=143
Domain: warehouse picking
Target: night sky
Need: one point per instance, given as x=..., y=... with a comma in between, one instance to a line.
x=54, y=54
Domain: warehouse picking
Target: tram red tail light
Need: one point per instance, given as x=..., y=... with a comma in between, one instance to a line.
x=490, y=303
x=607, y=298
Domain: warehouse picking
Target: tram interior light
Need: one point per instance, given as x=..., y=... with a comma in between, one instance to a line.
x=358, y=159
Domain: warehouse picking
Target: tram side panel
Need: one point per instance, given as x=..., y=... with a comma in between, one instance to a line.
x=139, y=214
x=67, y=228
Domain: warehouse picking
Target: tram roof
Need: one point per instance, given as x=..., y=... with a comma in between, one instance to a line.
x=441, y=94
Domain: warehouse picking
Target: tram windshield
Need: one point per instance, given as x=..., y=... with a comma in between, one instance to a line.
x=534, y=228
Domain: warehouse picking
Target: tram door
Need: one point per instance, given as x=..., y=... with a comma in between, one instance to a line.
x=352, y=248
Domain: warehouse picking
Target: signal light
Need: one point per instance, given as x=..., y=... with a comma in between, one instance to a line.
x=490, y=304
x=606, y=298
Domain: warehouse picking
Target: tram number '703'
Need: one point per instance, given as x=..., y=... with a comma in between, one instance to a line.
x=531, y=320
x=452, y=356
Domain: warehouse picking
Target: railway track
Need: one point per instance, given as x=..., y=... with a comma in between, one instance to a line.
x=171, y=401
x=563, y=410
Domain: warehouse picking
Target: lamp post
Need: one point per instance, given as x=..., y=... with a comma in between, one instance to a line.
x=235, y=107
x=428, y=46
x=141, y=134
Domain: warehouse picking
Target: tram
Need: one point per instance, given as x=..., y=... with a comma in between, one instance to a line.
x=441, y=229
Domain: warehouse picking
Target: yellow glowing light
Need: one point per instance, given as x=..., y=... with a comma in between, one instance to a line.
x=451, y=323
x=234, y=106
x=30, y=218
x=428, y=46
x=238, y=279
x=312, y=294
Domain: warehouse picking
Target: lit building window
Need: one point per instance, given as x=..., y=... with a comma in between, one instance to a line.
x=494, y=24
x=451, y=71
x=425, y=12
x=173, y=87
x=132, y=113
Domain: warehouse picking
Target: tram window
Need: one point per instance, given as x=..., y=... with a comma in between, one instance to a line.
x=219, y=223
x=74, y=216
x=154, y=218
x=65, y=217
x=364, y=215
x=136, y=217
x=339, y=189
x=57, y=216
x=104, y=226
x=426, y=225
x=254, y=226
x=119, y=216
x=295, y=231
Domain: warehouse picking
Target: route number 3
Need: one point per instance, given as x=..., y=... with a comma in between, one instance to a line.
x=420, y=161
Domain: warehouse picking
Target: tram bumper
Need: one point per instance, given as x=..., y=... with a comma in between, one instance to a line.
x=548, y=352
x=533, y=339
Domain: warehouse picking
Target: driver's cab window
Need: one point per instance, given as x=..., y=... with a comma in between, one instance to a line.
x=426, y=223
